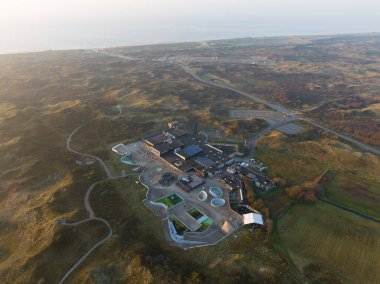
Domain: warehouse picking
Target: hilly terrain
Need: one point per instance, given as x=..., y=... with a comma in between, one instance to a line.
x=324, y=209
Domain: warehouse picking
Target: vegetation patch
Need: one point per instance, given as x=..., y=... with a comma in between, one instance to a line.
x=342, y=241
x=206, y=223
x=195, y=213
x=178, y=225
x=358, y=193
x=170, y=200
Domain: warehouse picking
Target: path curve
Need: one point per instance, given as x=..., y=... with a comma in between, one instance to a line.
x=86, y=202
x=68, y=147
x=275, y=106
x=282, y=109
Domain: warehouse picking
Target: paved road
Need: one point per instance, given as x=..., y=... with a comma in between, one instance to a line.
x=276, y=107
x=87, y=205
x=266, y=130
x=68, y=142
x=283, y=110
x=362, y=146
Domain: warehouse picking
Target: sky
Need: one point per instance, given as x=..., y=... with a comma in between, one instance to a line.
x=29, y=25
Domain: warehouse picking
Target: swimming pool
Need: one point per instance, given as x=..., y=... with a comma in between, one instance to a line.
x=216, y=191
x=217, y=202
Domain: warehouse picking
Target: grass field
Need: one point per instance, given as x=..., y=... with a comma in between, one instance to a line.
x=206, y=223
x=178, y=225
x=170, y=200
x=194, y=212
x=341, y=242
x=357, y=193
x=356, y=180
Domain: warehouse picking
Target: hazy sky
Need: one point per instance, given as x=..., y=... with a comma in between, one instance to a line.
x=53, y=24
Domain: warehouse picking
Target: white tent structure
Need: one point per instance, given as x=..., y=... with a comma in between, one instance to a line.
x=253, y=218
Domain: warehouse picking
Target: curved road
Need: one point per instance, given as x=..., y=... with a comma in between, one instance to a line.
x=68, y=141
x=87, y=205
x=283, y=110
x=276, y=107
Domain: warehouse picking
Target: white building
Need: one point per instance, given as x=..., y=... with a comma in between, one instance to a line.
x=253, y=218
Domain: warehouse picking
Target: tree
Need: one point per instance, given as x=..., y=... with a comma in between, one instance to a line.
x=249, y=191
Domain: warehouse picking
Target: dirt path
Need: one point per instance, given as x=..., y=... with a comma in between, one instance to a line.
x=364, y=216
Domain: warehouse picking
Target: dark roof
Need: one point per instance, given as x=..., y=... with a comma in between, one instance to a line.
x=178, y=144
x=176, y=132
x=231, y=180
x=205, y=162
x=157, y=139
x=192, y=150
x=163, y=147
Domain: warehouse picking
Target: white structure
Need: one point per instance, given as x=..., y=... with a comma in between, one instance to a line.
x=253, y=218
x=120, y=149
x=202, y=196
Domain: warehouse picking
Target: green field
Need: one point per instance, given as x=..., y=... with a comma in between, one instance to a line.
x=170, y=200
x=194, y=212
x=357, y=193
x=341, y=242
x=205, y=224
x=178, y=225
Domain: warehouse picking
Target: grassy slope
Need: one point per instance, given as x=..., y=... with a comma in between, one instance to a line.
x=355, y=192
x=46, y=95
x=53, y=94
x=342, y=243
x=339, y=240
x=304, y=157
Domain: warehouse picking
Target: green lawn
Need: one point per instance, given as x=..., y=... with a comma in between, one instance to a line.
x=178, y=225
x=341, y=242
x=357, y=193
x=170, y=200
x=205, y=224
x=194, y=212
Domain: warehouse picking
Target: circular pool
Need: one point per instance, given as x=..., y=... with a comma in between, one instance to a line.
x=217, y=202
x=216, y=191
x=202, y=196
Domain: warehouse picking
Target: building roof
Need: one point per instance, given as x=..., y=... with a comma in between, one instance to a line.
x=163, y=147
x=231, y=180
x=205, y=162
x=253, y=218
x=192, y=150
x=157, y=139
x=189, y=151
x=176, y=132
x=178, y=144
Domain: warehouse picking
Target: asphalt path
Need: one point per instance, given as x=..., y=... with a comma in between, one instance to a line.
x=276, y=107
x=87, y=205
x=283, y=110
x=68, y=147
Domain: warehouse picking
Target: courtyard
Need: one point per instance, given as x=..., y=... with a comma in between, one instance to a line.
x=187, y=220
